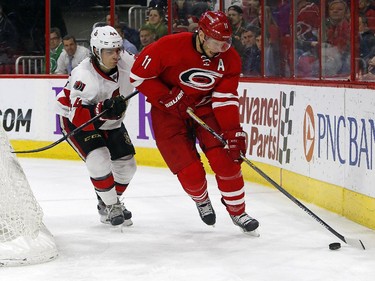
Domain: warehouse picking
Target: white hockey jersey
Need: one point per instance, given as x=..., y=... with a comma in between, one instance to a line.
x=88, y=85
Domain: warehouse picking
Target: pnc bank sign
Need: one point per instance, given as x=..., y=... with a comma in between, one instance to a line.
x=347, y=140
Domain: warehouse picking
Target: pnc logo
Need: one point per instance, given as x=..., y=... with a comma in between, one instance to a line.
x=308, y=133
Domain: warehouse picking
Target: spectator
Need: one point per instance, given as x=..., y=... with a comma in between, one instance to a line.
x=129, y=33
x=181, y=12
x=280, y=13
x=197, y=9
x=200, y=7
x=368, y=10
x=337, y=37
x=182, y=15
x=251, y=57
x=270, y=25
x=370, y=75
x=250, y=10
x=337, y=25
x=71, y=56
x=366, y=45
x=308, y=22
x=156, y=19
x=238, y=24
x=275, y=58
x=147, y=36
x=307, y=37
x=207, y=4
x=248, y=36
x=127, y=45
x=56, y=47
x=367, y=38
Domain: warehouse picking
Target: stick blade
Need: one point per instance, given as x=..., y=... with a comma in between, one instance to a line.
x=355, y=243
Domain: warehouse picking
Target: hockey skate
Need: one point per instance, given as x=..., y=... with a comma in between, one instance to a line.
x=247, y=224
x=105, y=217
x=206, y=212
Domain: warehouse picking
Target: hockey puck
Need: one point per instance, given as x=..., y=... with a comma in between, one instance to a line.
x=334, y=246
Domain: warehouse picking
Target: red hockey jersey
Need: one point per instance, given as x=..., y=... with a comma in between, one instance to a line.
x=174, y=61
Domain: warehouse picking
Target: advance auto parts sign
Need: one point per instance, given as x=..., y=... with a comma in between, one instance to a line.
x=270, y=125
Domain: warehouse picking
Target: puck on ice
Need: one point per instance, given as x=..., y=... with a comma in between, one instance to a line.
x=334, y=246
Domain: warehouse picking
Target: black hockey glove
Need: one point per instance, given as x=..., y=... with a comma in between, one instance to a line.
x=115, y=107
x=177, y=102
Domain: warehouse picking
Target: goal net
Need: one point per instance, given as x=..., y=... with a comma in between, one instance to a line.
x=23, y=237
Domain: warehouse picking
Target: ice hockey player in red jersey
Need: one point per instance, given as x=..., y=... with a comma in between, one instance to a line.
x=96, y=84
x=199, y=70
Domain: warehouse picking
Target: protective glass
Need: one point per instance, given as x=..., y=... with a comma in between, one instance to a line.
x=217, y=46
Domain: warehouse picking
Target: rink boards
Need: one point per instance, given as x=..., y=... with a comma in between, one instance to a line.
x=317, y=142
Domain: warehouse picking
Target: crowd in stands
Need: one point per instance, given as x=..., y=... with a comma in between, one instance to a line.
x=318, y=51
x=71, y=56
x=262, y=35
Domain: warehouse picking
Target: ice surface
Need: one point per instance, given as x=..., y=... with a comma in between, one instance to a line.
x=168, y=241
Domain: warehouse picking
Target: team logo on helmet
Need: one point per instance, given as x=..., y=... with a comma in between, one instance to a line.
x=200, y=79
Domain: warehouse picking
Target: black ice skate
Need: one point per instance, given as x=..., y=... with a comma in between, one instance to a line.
x=246, y=223
x=206, y=212
x=104, y=217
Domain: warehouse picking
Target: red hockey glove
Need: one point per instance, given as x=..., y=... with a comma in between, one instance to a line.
x=116, y=107
x=177, y=102
x=236, y=143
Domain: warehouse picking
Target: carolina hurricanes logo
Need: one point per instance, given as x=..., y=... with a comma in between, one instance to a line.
x=200, y=79
x=308, y=133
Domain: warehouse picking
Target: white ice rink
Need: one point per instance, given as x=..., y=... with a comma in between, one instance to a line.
x=169, y=242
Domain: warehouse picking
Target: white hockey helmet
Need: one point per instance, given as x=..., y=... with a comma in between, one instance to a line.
x=104, y=37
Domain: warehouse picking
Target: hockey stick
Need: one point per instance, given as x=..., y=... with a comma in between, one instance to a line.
x=353, y=242
x=75, y=131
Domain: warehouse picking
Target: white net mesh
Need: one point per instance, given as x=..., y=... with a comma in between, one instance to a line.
x=23, y=237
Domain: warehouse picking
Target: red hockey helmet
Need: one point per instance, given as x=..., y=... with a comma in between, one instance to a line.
x=215, y=24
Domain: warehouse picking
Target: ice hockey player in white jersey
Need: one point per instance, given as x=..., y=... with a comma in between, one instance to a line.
x=100, y=83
